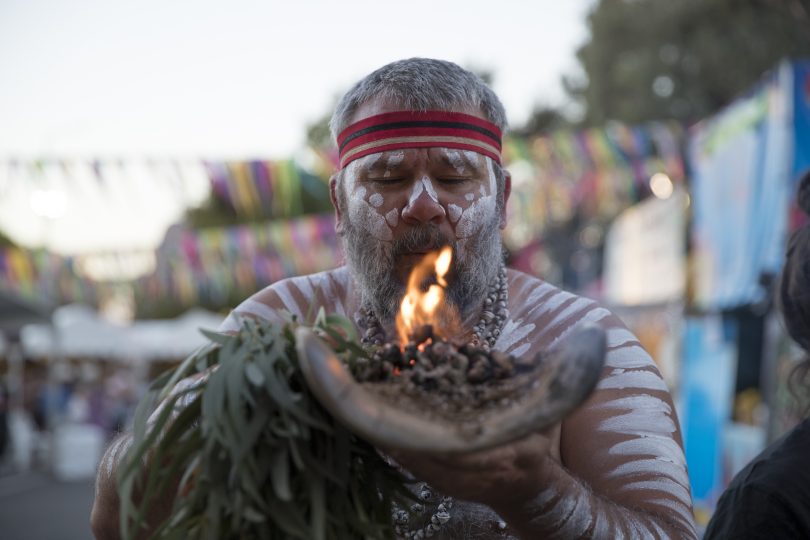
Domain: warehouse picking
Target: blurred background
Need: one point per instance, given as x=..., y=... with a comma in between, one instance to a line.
x=161, y=161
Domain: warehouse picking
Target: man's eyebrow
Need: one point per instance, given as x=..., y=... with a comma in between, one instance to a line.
x=452, y=160
x=386, y=162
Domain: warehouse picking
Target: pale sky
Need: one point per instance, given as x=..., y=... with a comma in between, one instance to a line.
x=200, y=79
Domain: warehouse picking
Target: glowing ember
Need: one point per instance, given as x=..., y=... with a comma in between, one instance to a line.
x=420, y=307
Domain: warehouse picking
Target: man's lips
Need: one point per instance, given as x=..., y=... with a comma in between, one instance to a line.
x=415, y=253
x=422, y=250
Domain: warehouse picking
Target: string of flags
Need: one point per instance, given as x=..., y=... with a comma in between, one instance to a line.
x=217, y=264
x=273, y=189
x=44, y=276
x=596, y=172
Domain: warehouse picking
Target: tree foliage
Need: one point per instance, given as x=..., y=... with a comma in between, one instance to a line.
x=6, y=241
x=654, y=59
x=543, y=120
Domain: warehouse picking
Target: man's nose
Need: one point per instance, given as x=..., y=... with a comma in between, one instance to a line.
x=423, y=209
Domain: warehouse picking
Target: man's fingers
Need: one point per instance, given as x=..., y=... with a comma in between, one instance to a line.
x=527, y=450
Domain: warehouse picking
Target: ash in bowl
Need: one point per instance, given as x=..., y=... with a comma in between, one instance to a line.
x=441, y=377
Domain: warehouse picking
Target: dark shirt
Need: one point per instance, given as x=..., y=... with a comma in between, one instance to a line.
x=770, y=497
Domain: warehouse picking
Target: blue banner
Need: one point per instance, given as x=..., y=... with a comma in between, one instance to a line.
x=801, y=118
x=707, y=389
x=741, y=168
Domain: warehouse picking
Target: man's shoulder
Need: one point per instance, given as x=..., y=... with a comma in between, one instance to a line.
x=301, y=296
x=307, y=287
x=544, y=314
x=538, y=301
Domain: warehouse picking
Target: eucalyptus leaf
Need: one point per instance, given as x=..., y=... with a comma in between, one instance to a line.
x=249, y=452
x=215, y=337
x=281, y=474
x=254, y=374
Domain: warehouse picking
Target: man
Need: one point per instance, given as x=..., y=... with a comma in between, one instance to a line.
x=420, y=168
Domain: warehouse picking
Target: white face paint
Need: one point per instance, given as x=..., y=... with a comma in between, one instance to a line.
x=430, y=189
x=394, y=160
x=480, y=211
x=472, y=157
x=364, y=215
x=475, y=217
x=392, y=217
x=376, y=200
x=456, y=160
x=453, y=212
x=350, y=175
x=469, y=196
x=360, y=211
x=417, y=190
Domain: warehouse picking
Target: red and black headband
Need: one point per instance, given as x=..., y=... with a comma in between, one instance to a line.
x=418, y=129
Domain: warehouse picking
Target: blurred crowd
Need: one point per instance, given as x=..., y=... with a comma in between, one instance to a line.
x=60, y=407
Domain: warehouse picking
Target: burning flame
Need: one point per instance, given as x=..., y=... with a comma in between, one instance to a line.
x=419, y=308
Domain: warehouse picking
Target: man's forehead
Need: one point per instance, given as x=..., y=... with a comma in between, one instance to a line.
x=392, y=159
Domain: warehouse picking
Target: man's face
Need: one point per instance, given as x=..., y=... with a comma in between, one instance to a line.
x=393, y=207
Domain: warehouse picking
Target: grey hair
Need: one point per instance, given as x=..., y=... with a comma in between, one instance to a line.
x=421, y=84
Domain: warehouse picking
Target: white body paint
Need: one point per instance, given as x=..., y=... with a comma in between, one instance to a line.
x=248, y=308
x=645, y=380
x=645, y=413
x=376, y=200
x=523, y=349
x=395, y=159
x=453, y=212
x=364, y=212
x=620, y=336
x=286, y=297
x=392, y=217
x=456, y=160
x=628, y=356
x=431, y=191
x=481, y=211
x=366, y=216
x=417, y=190
x=579, y=520
x=513, y=332
x=631, y=414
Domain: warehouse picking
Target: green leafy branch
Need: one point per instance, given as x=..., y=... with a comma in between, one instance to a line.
x=231, y=444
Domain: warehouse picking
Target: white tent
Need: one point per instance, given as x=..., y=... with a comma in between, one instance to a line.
x=79, y=332
x=76, y=331
x=174, y=338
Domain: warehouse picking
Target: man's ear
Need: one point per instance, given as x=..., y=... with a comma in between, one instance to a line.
x=333, y=187
x=507, y=190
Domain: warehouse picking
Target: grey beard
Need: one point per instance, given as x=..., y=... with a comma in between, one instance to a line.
x=371, y=263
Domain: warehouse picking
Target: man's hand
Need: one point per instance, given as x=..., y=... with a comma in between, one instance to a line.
x=512, y=472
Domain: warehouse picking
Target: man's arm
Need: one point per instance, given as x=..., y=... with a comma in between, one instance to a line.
x=622, y=471
x=267, y=304
x=105, y=515
x=568, y=508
